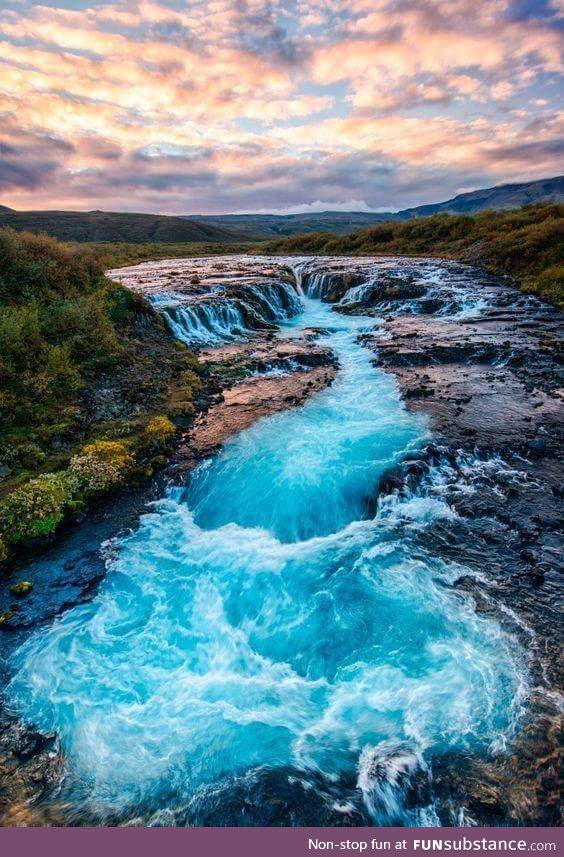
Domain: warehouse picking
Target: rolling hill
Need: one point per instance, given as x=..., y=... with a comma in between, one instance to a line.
x=101, y=226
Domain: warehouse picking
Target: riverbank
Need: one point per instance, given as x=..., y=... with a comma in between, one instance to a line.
x=90, y=379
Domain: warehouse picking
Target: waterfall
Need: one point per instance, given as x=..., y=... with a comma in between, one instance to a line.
x=206, y=323
x=316, y=285
x=223, y=317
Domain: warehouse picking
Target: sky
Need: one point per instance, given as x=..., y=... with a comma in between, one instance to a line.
x=213, y=106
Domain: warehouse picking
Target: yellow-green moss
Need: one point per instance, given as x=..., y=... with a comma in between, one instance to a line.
x=158, y=432
x=21, y=589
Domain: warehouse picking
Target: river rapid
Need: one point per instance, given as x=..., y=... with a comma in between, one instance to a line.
x=274, y=630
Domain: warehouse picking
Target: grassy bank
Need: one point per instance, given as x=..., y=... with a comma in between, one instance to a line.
x=119, y=254
x=526, y=244
x=92, y=386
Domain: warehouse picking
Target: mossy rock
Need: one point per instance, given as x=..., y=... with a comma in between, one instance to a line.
x=21, y=589
x=5, y=617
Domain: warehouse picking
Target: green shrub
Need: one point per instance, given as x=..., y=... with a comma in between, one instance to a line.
x=190, y=384
x=30, y=455
x=100, y=466
x=182, y=410
x=549, y=282
x=35, y=509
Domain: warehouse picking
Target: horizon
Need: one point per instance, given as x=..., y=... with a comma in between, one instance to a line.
x=275, y=106
x=311, y=210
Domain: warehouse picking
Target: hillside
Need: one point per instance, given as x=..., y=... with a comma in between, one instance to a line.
x=501, y=197
x=100, y=226
x=126, y=228
x=526, y=244
x=88, y=376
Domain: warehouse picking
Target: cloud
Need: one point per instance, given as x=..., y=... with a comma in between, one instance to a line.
x=275, y=104
x=311, y=207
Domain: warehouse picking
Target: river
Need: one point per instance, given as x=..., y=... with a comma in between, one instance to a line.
x=272, y=616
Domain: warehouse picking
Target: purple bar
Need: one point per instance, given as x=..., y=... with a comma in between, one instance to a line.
x=276, y=842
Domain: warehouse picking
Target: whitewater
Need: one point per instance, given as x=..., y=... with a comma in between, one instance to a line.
x=272, y=614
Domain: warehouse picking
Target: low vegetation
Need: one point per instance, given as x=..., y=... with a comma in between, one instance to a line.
x=526, y=244
x=90, y=383
x=116, y=254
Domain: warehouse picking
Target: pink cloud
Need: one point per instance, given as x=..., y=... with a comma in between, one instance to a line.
x=270, y=96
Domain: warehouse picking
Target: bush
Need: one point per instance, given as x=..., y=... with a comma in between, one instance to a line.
x=100, y=466
x=35, y=509
x=157, y=433
x=30, y=455
x=550, y=282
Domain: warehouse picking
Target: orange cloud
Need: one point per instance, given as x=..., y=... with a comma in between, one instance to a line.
x=272, y=94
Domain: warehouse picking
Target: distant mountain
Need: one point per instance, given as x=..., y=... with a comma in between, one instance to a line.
x=340, y=222
x=499, y=198
x=115, y=226
x=5, y=208
x=279, y=225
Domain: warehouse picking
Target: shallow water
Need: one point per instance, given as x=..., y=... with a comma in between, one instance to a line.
x=264, y=617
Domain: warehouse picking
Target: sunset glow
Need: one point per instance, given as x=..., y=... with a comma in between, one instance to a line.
x=246, y=105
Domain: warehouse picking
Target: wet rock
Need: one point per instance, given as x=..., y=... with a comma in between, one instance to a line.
x=538, y=445
x=393, y=780
x=21, y=589
x=418, y=392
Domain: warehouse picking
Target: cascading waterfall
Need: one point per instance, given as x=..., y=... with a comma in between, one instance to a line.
x=263, y=618
x=205, y=320
x=317, y=285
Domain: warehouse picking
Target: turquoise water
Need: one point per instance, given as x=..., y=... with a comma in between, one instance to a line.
x=261, y=616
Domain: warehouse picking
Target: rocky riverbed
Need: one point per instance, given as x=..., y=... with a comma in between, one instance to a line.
x=481, y=364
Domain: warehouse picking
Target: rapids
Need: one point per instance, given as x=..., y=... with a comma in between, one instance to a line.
x=269, y=615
